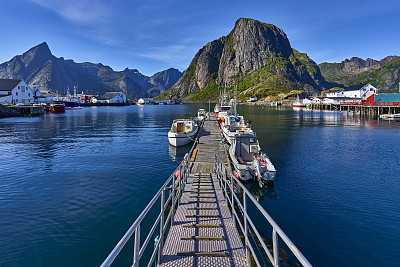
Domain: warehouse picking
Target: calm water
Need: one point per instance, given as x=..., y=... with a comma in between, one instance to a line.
x=71, y=184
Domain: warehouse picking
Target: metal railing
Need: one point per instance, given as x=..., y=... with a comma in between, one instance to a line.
x=174, y=184
x=228, y=182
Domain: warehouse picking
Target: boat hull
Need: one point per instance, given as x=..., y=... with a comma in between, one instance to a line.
x=181, y=139
x=57, y=108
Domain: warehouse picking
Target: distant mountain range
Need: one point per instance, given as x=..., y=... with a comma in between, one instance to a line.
x=255, y=56
x=38, y=66
x=383, y=74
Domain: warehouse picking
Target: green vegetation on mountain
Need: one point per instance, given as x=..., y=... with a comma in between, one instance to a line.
x=255, y=56
x=383, y=74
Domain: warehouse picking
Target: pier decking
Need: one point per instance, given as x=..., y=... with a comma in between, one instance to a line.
x=203, y=232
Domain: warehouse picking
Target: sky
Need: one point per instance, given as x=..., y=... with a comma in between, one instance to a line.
x=154, y=35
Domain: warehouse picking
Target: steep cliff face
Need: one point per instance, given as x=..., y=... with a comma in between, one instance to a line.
x=383, y=74
x=39, y=67
x=255, y=56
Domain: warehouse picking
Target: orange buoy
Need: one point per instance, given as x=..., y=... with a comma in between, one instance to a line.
x=177, y=174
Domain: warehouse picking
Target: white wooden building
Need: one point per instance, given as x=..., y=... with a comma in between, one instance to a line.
x=15, y=91
x=112, y=98
x=356, y=92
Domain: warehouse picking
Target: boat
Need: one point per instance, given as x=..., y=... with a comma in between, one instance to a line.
x=249, y=162
x=183, y=131
x=224, y=112
x=299, y=104
x=234, y=125
x=57, y=106
x=390, y=116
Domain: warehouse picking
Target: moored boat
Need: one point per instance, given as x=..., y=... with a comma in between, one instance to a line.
x=183, y=131
x=249, y=162
x=233, y=125
x=299, y=103
x=57, y=106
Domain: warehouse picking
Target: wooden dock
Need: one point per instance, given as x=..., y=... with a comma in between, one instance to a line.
x=203, y=231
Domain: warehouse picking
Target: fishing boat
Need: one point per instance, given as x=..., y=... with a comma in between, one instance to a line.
x=299, y=104
x=224, y=112
x=233, y=125
x=183, y=131
x=249, y=162
x=57, y=106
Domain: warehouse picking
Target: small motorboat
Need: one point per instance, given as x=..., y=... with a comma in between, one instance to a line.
x=183, y=131
x=57, y=106
x=249, y=162
x=233, y=125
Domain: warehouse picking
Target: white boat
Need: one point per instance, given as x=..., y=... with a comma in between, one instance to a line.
x=233, y=125
x=183, y=131
x=390, y=116
x=249, y=162
x=299, y=104
x=224, y=112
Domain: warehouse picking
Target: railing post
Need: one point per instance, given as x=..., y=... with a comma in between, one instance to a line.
x=173, y=200
x=275, y=244
x=161, y=240
x=233, y=203
x=246, y=234
x=136, y=247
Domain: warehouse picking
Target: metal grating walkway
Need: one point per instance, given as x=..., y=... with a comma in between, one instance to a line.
x=203, y=233
x=191, y=234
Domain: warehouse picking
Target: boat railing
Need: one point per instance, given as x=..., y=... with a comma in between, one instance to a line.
x=174, y=185
x=252, y=237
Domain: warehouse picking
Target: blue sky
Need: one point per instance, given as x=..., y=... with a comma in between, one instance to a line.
x=154, y=35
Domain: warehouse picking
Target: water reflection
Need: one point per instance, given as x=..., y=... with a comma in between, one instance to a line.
x=177, y=153
x=259, y=193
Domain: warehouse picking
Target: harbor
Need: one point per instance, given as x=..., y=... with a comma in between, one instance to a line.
x=75, y=218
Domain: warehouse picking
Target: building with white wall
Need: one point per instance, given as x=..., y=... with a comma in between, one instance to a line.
x=360, y=92
x=112, y=98
x=14, y=91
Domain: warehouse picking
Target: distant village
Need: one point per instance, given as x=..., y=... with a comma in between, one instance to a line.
x=17, y=92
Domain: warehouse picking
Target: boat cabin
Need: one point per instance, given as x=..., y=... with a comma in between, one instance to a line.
x=246, y=146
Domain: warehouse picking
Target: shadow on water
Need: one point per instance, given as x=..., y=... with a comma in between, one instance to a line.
x=177, y=153
x=259, y=193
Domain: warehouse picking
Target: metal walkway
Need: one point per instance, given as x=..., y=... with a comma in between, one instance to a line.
x=203, y=232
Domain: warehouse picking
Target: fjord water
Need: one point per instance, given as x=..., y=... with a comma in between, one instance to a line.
x=71, y=184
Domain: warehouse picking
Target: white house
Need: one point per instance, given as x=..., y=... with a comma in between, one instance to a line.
x=15, y=91
x=356, y=92
x=112, y=97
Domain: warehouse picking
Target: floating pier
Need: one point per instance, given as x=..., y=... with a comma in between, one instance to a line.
x=203, y=218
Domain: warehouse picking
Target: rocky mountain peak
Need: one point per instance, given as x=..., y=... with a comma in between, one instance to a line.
x=256, y=56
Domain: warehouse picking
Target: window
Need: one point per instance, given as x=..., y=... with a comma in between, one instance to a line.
x=19, y=87
x=23, y=88
x=29, y=94
x=16, y=93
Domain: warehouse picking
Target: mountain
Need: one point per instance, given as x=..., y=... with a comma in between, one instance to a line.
x=38, y=66
x=255, y=56
x=383, y=74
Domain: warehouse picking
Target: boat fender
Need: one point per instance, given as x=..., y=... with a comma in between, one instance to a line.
x=177, y=174
x=236, y=174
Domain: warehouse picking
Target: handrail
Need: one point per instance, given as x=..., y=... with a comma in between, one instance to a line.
x=173, y=198
x=228, y=182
